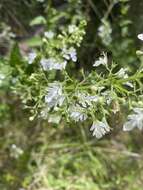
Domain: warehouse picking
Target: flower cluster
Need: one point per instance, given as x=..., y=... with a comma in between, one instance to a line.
x=91, y=96
x=52, y=64
x=59, y=52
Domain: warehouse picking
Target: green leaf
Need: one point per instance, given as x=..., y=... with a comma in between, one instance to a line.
x=15, y=55
x=34, y=42
x=38, y=20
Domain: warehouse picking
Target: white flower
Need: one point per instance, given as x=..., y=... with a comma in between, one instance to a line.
x=86, y=99
x=122, y=73
x=103, y=60
x=14, y=80
x=31, y=57
x=52, y=64
x=54, y=118
x=41, y=1
x=73, y=54
x=89, y=99
x=70, y=54
x=54, y=96
x=44, y=113
x=49, y=34
x=134, y=120
x=16, y=151
x=109, y=96
x=129, y=84
x=104, y=32
x=140, y=37
x=72, y=28
x=77, y=113
x=100, y=128
x=2, y=77
x=139, y=52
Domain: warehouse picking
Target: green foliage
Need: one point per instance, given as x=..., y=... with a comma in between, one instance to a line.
x=38, y=20
x=70, y=72
x=51, y=91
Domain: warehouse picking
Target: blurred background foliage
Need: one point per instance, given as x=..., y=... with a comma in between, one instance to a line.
x=36, y=156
